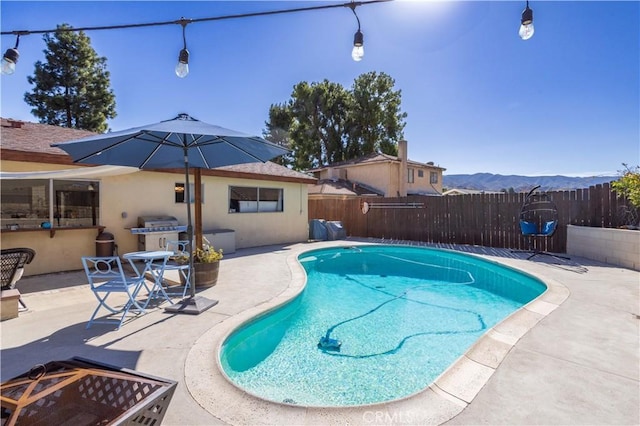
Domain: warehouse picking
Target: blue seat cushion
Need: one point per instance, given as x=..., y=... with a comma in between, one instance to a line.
x=528, y=228
x=549, y=227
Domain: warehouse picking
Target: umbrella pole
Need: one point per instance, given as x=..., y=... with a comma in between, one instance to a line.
x=192, y=304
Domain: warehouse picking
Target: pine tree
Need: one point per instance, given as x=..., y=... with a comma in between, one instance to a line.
x=72, y=88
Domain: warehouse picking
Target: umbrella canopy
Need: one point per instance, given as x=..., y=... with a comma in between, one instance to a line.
x=162, y=145
x=180, y=142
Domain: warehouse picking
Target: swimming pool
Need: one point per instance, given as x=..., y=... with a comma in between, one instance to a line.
x=402, y=316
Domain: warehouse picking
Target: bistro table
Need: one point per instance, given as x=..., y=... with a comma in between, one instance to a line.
x=154, y=264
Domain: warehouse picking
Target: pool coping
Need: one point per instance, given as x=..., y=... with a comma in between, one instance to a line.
x=448, y=395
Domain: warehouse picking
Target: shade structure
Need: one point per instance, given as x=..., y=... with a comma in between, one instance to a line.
x=180, y=142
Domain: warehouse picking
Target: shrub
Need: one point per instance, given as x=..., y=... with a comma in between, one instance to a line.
x=628, y=185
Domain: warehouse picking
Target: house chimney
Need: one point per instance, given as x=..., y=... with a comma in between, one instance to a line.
x=403, y=172
x=15, y=124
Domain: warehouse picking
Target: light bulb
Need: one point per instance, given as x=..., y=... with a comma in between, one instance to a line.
x=357, y=53
x=526, y=23
x=182, y=68
x=526, y=31
x=9, y=61
x=358, y=46
x=8, y=67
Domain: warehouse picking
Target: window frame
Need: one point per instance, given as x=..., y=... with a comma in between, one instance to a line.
x=64, y=203
x=235, y=204
x=192, y=192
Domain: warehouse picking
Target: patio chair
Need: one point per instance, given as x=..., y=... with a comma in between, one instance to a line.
x=179, y=262
x=12, y=265
x=106, y=276
x=538, y=219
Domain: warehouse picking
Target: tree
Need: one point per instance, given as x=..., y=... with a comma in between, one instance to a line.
x=376, y=122
x=72, y=86
x=277, y=130
x=328, y=123
x=628, y=185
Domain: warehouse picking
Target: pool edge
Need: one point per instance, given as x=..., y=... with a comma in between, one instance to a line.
x=446, y=397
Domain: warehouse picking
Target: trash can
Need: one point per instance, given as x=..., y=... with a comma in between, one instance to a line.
x=105, y=244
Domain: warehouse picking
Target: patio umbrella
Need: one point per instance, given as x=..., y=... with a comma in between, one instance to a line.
x=177, y=143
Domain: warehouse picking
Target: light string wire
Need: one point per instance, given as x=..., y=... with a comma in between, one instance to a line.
x=352, y=5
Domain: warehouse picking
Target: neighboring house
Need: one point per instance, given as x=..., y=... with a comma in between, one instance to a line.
x=264, y=203
x=378, y=174
x=460, y=191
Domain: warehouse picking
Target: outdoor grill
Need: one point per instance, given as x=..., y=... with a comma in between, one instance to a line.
x=154, y=231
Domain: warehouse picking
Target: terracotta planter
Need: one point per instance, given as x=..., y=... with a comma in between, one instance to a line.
x=205, y=274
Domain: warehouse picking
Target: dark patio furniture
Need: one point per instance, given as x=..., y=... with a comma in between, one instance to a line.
x=12, y=263
x=83, y=392
x=538, y=220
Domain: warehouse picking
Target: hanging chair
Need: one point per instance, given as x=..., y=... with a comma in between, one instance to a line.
x=538, y=219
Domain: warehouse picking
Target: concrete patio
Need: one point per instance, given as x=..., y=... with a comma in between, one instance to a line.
x=570, y=357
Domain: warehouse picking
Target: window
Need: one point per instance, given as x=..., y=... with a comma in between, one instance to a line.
x=251, y=200
x=410, y=175
x=180, y=195
x=420, y=173
x=433, y=177
x=27, y=203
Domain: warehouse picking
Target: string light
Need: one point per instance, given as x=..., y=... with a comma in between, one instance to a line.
x=358, y=39
x=182, y=68
x=526, y=23
x=10, y=59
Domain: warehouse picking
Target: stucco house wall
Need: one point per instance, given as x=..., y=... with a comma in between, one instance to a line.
x=423, y=184
x=126, y=197
x=152, y=193
x=375, y=175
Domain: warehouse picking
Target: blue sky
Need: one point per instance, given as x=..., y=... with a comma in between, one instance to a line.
x=478, y=98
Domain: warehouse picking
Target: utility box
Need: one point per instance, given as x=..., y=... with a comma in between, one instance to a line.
x=335, y=230
x=224, y=239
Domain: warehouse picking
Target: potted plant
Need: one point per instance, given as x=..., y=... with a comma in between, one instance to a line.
x=206, y=263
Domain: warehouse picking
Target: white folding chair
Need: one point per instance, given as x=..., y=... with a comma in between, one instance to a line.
x=180, y=249
x=106, y=276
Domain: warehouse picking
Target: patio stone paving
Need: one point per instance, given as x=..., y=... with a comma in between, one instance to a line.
x=572, y=357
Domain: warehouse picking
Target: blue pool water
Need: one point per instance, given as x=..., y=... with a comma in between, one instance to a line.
x=402, y=315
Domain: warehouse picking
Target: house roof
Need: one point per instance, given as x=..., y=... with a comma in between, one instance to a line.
x=35, y=137
x=31, y=142
x=375, y=157
x=462, y=191
x=341, y=187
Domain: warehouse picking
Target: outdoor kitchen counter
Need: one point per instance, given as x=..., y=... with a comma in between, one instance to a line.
x=52, y=231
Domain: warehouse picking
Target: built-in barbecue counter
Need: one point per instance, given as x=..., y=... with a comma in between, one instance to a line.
x=51, y=231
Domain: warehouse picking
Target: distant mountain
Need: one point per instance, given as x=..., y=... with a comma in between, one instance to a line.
x=491, y=182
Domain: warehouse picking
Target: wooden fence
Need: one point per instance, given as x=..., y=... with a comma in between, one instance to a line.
x=489, y=220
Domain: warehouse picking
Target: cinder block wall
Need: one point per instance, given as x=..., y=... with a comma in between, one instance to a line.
x=615, y=246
